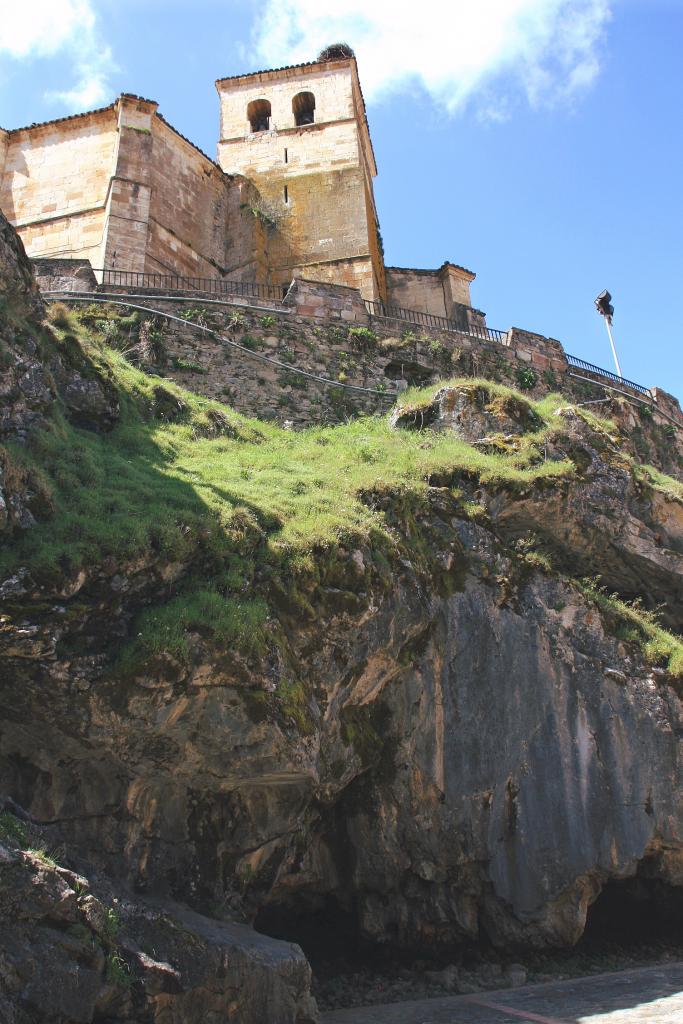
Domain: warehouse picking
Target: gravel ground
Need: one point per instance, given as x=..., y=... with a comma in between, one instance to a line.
x=341, y=983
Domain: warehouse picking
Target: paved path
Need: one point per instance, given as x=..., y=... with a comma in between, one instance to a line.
x=648, y=995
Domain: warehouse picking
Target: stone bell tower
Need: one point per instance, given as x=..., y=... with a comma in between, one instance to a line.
x=300, y=134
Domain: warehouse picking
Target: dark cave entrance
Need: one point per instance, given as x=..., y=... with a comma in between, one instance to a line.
x=325, y=931
x=631, y=916
x=633, y=913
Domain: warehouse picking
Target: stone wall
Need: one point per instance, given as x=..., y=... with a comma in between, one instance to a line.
x=64, y=275
x=541, y=352
x=56, y=182
x=4, y=146
x=189, y=217
x=322, y=222
x=173, y=209
x=442, y=292
x=325, y=330
x=314, y=180
x=331, y=83
x=120, y=187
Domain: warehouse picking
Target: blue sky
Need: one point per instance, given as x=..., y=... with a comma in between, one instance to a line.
x=537, y=142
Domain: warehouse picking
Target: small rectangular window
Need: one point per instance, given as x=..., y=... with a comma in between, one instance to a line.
x=286, y=157
x=286, y=195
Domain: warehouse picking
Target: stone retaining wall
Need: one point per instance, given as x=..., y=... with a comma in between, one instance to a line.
x=324, y=329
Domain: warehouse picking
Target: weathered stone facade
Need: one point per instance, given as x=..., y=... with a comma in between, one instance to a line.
x=291, y=195
x=443, y=292
x=122, y=189
x=315, y=178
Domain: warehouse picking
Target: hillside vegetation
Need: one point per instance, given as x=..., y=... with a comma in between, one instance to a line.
x=250, y=508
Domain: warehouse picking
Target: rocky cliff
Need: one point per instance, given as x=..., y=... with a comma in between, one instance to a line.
x=400, y=683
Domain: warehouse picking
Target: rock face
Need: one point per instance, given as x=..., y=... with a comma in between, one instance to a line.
x=35, y=372
x=71, y=955
x=468, y=413
x=469, y=751
x=479, y=761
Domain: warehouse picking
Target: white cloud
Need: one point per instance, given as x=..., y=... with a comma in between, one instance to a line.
x=459, y=51
x=50, y=28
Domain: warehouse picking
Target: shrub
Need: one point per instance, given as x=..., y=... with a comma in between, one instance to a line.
x=526, y=378
x=251, y=343
x=362, y=339
x=118, y=971
x=236, y=322
x=60, y=315
x=197, y=313
x=188, y=365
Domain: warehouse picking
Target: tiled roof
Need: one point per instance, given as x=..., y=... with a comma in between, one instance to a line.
x=422, y=270
x=266, y=71
x=60, y=120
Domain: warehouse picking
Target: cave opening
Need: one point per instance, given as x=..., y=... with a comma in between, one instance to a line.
x=638, y=916
x=327, y=931
x=633, y=913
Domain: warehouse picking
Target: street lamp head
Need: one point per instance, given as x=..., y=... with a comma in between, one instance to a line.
x=604, y=306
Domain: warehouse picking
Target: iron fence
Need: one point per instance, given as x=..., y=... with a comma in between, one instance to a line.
x=607, y=374
x=442, y=323
x=177, y=282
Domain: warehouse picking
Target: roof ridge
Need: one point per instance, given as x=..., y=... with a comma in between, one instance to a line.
x=58, y=120
x=111, y=106
x=285, y=67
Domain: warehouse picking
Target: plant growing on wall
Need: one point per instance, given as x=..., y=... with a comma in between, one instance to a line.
x=261, y=212
x=363, y=339
x=526, y=378
x=237, y=321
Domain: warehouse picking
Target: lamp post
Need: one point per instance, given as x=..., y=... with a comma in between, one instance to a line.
x=604, y=306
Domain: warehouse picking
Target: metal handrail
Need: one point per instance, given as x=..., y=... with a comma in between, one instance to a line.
x=180, y=282
x=288, y=367
x=220, y=286
x=442, y=323
x=607, y=374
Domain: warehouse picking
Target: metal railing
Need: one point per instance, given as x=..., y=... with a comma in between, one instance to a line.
x=179, y=282
x=442, y=323
x=607, y=374
x=219, y=286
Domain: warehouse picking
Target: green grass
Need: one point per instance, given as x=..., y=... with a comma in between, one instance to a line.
x=43, y=855
x=112, y=924
x=658, y=480
x=177, y=489
x=12, y=829
x=636, y=624
x=247, y=508
x=226, y=620
x=185, y=479
x=118, y=971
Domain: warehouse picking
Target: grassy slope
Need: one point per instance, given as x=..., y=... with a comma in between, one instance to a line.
x=191, y=480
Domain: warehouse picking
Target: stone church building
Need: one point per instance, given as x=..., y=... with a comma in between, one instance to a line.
x=290, y=195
